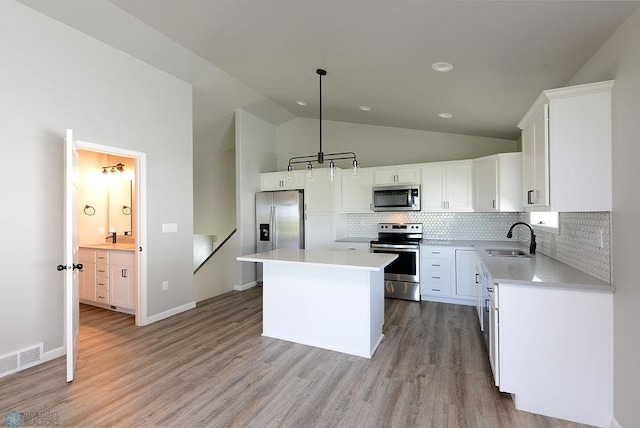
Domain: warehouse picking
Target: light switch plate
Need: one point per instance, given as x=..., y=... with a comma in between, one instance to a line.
x=169, y=227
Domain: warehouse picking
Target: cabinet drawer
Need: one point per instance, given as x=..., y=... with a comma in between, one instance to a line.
x=440, y=251
x=435, y=289
x=430, y=277
x=102, y=256
x=435, y=263
x=352, y=246
x=102, y=283
x=102, y=270
x=102, y=297
x=121, y=258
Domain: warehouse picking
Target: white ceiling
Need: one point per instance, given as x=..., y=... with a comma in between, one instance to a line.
x=379, y=53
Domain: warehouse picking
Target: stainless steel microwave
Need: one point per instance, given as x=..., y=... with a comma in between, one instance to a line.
x=396, y=198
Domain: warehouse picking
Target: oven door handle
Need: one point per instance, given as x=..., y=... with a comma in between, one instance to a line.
x=395, y=247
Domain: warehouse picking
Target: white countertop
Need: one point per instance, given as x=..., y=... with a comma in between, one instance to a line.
x=538, y=269
x=117, y=246
x=341, y=259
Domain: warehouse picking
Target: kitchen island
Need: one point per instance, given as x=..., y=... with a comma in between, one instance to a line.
x=328, y=299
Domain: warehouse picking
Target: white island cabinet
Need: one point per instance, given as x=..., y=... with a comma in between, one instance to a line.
x=328, y=299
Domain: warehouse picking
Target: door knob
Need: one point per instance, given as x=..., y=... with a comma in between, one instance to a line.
x=78, y=266
x=62, y=267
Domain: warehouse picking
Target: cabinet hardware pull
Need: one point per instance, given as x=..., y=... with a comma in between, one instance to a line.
x=435, y=289
x=494, y=203
x=435, y=277
x=486, y=305
x=490, y=289
x=435, y=265
x=477, y=282
x=530, y=197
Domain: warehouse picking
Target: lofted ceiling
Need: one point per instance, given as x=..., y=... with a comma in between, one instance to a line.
x=379, y=54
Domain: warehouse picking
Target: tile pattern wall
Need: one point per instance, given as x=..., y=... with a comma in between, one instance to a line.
x=577, y=245
x=450, y=226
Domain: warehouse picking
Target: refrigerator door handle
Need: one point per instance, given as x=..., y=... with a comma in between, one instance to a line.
x=274, y=232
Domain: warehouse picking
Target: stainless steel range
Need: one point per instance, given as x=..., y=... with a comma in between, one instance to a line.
x=402, y=276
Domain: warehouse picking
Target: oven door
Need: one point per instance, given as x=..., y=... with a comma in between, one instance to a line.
x=406, y=267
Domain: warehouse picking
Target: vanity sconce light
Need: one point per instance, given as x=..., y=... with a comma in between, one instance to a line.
x=119, y=167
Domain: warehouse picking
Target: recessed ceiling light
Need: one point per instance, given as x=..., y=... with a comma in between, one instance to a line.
x=365, y=108
x=301, y=103
x=442, y=67
x=445, y=115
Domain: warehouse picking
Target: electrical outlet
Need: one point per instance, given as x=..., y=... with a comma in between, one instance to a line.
x=165, y=285
x=101, y=231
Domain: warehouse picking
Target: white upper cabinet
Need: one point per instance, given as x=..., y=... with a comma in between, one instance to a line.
x=356, y=191
x=396, y=175
x=279, y=181
x=447, y=187
x=566, y=147
x=497, y=183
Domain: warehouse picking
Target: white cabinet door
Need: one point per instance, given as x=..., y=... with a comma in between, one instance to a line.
x=447, y=187
x=478, y=283
x=122, y=279
x=432, y=189
x=465, y=273
x=397, y=175
x=87, y=275
x=535, y=155
x=458, y=189
x=356, y=192
x=279, y=181
x=485, y=174
x=318, y=193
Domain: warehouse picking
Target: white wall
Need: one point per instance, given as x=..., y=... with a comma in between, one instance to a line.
x=255, y=153
x=619, y=59
x=382, y=145
x=53, y=78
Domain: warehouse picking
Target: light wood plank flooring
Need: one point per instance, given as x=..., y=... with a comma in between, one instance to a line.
x=210, y=367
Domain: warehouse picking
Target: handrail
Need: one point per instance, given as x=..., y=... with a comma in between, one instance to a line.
x=216, y=250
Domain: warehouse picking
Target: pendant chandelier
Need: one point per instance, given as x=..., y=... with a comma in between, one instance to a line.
x=321, y=157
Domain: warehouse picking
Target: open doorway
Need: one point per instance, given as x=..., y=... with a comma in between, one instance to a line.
x=111, y=229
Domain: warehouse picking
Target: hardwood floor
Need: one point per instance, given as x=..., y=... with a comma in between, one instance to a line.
x=211, y=367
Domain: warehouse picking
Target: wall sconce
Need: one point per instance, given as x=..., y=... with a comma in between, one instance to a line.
x=119, y=167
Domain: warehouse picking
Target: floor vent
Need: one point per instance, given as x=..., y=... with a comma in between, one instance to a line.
x=21, y=359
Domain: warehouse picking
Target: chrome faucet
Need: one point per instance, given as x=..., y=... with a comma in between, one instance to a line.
x=112, y=237
x=532, y=246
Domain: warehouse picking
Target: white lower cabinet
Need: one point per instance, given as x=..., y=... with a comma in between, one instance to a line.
x=108, y=278
x=436, y=276
x=554, y=351
x=122, y=276
x=447, y=274
x=466, y=286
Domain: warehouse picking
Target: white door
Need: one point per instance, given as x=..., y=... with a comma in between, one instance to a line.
x=71, y=256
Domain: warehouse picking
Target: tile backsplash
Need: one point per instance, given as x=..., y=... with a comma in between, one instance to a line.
x=577, y=245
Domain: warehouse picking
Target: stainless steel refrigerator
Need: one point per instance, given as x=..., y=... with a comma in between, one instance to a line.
x=279, y=222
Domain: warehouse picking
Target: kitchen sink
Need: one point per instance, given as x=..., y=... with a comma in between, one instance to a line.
x=508, y=253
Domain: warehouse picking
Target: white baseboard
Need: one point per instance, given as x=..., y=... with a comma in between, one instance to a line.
x=452, y=300
x=615, y=423
x=171, y=312
x=245, y=287
x=54, y=353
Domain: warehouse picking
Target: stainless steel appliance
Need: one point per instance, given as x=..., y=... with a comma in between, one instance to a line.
x=396, y=198
x=279, y=222
x=402, y=276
